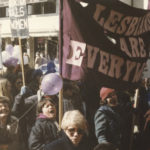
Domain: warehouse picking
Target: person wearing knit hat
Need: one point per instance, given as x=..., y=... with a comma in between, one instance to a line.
x=109, y=96
x=107, y=120
x=104, y=92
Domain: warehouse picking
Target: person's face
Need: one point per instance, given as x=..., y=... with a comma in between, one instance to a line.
x=4, y=110
x=74, y=134
x=112, y=99
x=49, y=110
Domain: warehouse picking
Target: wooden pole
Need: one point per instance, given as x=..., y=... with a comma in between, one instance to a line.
x=60, y=107
x=136, y=101
x=60, y=60
x=22, y=62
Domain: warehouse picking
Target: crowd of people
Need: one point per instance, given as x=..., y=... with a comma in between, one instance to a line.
x=29, y=118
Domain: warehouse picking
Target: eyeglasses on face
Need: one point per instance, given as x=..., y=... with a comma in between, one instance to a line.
x=73, y=130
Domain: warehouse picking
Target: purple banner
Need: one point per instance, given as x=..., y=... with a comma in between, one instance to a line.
x=106, y=43
x=148, y=4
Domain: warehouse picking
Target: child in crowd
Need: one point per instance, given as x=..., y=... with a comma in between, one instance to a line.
x=46, y=128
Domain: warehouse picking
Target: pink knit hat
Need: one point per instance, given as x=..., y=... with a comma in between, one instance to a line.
x=104, y=92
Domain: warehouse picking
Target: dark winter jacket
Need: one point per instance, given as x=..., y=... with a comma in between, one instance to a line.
x=64, y=143
x=9, y=135
x=107, y=125
x=24, y=108
x=43, y=132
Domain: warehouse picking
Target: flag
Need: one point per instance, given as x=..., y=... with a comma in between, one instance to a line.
x=148, y=4
x=105, y=43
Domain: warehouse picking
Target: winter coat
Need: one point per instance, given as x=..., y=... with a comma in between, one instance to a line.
x=9, y=135
x=43, y=132
x=107, y=125
x=64, y=143
x=25, y=109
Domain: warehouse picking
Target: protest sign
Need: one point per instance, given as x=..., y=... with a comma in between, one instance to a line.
x=18, y=18
x=106, y=42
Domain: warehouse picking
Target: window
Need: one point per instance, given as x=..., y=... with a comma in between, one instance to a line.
x=42, y=8
x=50, y=7
x=2, y=12
x=37, y=8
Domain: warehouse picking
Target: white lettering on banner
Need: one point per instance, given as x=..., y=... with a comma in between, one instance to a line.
x=112, y=65
x=129, y=26
x=136, y=45
x=121, y=24
x=109, y=64
x=76, y=52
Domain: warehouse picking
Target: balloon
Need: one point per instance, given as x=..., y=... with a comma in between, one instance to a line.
x=51, y=84
x=9, y=49
x=11, y=61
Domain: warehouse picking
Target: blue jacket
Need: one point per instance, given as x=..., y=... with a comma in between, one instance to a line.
x=107, y=125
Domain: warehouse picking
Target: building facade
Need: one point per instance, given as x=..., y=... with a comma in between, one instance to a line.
x=43, y=23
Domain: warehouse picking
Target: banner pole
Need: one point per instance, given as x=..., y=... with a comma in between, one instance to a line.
x=136, y=101
x=22, y=62
x=60, y=107
x=60, y=60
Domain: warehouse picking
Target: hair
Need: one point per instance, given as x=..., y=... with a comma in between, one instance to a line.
x=74, y=117
x=4, y=99
x=42, y=102
x=3, y=88
x=105, y=146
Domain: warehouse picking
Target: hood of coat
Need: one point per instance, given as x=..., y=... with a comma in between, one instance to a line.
x=41, y=116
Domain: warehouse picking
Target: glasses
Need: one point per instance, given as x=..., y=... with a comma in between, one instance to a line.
x=73, y=130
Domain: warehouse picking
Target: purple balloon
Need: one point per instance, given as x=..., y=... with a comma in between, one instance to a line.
x=9, y=49
x=11, y=61
x=51, y=84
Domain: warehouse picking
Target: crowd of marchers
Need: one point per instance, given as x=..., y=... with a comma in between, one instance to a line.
x=29, y=117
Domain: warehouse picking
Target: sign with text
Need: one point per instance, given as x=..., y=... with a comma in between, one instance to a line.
x=105, y=43
x=18, y=18
x=4, y=3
